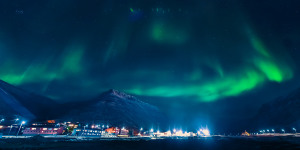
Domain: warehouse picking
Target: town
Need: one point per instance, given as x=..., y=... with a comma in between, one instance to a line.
x=53, y=128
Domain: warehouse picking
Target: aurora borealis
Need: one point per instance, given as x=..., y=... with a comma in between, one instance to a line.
x=193, y=51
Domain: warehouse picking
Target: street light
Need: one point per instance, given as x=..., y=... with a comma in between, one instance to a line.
x=283, y=130
x=23, y=122
x=17, y=119
x=273, y=130
x=295, y=130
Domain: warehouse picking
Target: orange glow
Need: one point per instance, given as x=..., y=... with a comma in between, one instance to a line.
x=111, y=130
x=51, y=121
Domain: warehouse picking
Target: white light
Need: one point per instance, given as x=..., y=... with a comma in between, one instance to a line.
x=123, y=128
x=141, y=129
x=205, y=132
x=151, y=130
x=174, y=130
x=23, y=122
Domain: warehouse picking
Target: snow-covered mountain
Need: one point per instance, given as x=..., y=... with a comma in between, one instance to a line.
x=116, y=108
x=111, y=107
x=283, y=111
x=15, y=101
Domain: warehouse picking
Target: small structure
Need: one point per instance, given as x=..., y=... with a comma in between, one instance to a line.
x=245, y=133
x=91, y=132
x=43, y=130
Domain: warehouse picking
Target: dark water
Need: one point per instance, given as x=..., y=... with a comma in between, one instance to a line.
x=182, y=144
x=232, y=143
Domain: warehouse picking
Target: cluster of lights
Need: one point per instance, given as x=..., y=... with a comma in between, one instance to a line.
x=272, y=130
x=180, y=133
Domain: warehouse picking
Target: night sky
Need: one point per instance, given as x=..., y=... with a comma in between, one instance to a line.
x=197, y=60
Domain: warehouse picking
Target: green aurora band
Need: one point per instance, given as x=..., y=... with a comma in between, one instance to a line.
x=259, y=68
x=262, y=68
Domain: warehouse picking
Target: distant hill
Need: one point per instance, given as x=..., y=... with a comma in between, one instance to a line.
x=111, y=107
x=15, y=101
x=115, y=108
x=281, y=112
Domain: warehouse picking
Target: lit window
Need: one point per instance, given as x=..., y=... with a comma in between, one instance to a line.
x=44, y=128
x=49, y=128
x=55, y=128
x=33, y=128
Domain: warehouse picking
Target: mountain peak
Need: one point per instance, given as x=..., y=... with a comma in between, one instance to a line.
x=120, y=94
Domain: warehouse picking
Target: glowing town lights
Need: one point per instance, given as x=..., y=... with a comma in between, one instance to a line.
x=1, y=127
x=141, y=129
x=151, y=130
x=123, y=128
x=174, y=130
x=17, y=119
x=206, y=132
x=158, y=131
x=23, y=122
x=93, y=126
